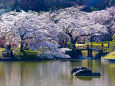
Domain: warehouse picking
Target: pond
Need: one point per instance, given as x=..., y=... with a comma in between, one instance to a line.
x=55, y=73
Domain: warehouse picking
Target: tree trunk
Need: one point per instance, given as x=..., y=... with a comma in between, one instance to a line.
x=22, y=47
x=74, y=53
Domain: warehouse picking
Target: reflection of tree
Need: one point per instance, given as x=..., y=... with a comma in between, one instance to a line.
x=2, y=74
x=52, y=73
x=12, y=74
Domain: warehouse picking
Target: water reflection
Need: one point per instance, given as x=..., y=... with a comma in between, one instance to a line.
x=85, y=78
x=55, y=73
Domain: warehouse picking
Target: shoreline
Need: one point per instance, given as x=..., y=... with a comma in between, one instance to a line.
x=56, y=59
x=35, y=60
x=108, y=60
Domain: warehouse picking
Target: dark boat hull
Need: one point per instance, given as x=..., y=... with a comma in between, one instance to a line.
x=93, y=74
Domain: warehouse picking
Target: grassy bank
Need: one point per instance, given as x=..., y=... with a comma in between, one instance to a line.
x=111, y=55
x=27, y=54
x=99, y=43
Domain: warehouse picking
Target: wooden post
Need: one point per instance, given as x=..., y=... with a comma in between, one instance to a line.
x=108, y=44
x=91, y=45
x=89, y=51
x=102, y=46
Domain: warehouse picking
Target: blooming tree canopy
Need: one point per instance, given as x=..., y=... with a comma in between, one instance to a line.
x=106, y=18
x=42, y=30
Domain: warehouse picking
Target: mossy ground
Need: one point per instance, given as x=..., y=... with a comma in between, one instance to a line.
x=27, y=54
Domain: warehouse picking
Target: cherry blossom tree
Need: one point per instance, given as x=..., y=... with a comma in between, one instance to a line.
x=43, y=30
x=76, y=24
x=106, y=18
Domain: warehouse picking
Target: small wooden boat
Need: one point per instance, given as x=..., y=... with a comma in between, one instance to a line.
x=77, y=69
x=92, y=74
x=85, y=72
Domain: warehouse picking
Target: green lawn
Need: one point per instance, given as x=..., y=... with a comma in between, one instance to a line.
x=77, y=45
x=111, y=55
x=99, y=43
x=94, y=43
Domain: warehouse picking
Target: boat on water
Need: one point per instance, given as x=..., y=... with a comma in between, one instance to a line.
x=84, y=72
x=77, y=68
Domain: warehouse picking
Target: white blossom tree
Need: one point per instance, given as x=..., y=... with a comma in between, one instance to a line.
x=106, y=18
x=76, y=24
x=44, y=29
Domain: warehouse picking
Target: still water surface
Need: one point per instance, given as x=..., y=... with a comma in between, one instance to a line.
x=54, y=73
